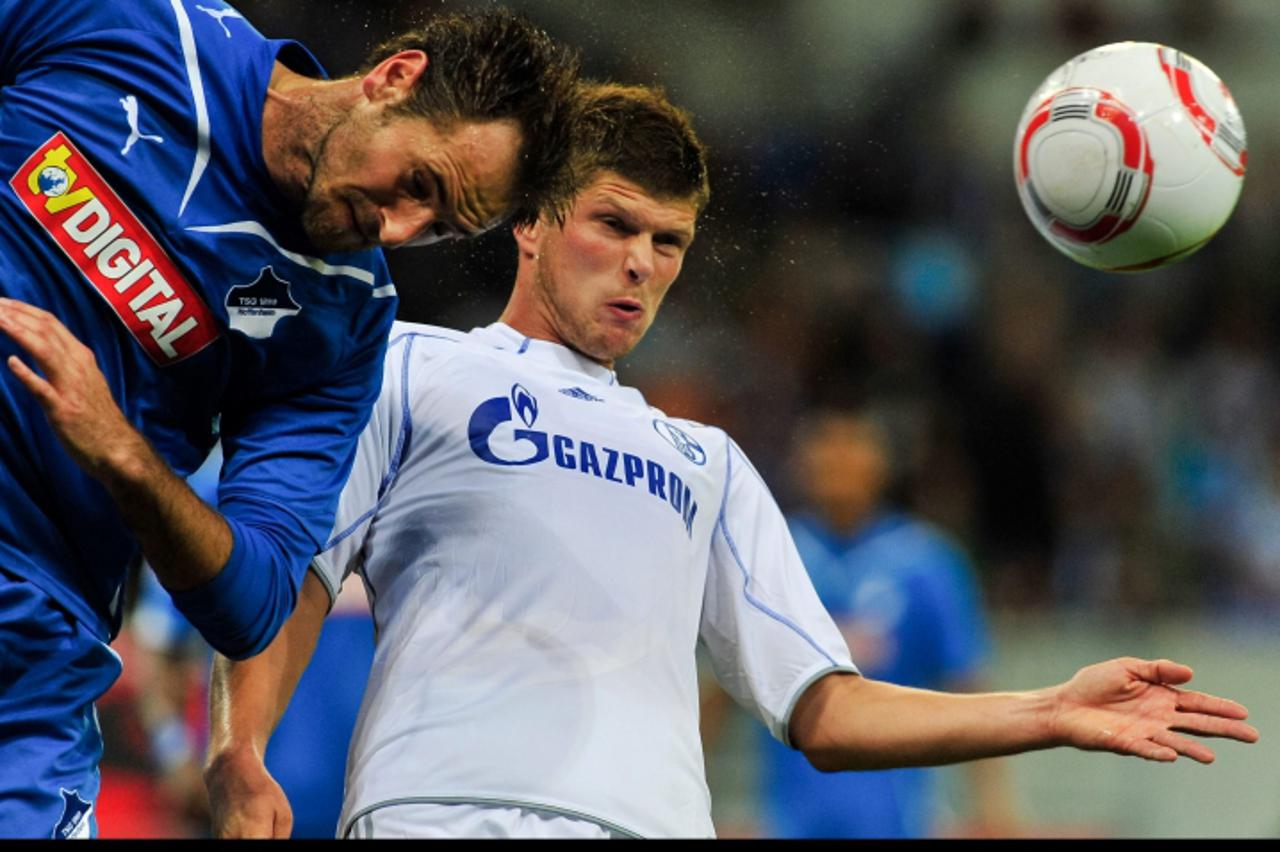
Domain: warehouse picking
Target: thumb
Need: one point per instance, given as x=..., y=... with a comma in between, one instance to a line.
x=1161, y=671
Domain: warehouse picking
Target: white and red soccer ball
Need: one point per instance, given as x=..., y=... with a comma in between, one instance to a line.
x=1130, y=156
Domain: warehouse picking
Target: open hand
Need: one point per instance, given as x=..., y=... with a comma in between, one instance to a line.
x=1132, y=706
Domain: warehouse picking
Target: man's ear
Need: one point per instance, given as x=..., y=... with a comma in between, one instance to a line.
x=393, y=78
x=529, y=238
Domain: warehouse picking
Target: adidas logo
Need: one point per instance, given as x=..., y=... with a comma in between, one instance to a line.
x=579, y=393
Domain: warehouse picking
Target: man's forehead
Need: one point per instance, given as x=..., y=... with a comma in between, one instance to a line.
x=612, y=187
x=476, y=164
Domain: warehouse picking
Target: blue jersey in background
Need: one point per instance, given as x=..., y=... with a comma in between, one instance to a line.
x=906, y=599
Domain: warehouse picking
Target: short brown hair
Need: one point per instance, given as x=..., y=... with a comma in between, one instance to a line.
x=636, y=132
x=496, y=65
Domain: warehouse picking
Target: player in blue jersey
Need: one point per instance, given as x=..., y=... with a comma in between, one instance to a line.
x=543, y=551
x=187, y=218
x=906, y=600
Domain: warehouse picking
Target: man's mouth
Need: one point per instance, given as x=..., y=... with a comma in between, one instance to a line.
x=625, y=308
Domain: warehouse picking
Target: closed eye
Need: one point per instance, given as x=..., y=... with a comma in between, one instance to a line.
x=422, y=187
x=616, y=224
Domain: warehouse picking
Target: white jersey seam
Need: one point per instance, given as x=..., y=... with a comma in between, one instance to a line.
x=722, y=525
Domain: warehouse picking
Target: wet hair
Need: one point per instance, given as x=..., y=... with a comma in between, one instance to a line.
x=636, y=132
x=496, y=65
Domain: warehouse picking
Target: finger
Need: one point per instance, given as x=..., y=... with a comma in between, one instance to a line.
x=12, y=304
x=34, y=319
x=23, y=308
x=40, y=339
x=1214, y=726
x=1167, y=671
x=44, y=392
x=1193, y=749
x=284, y=824
x=1147, y=749
x=1199, y=702
x=1157, y=671
x=255, y=824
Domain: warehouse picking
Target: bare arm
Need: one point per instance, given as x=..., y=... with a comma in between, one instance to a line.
x=246, y=700
x=1126, y=706
x=993, y=810
x=186, y=542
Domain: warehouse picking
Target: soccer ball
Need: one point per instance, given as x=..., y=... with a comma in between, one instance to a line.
x=1130, y=156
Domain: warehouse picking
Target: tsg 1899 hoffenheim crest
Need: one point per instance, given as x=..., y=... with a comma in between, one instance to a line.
x=74, y=823
x=254, y=309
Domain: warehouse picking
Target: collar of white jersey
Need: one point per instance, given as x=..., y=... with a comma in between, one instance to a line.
x=502, y=336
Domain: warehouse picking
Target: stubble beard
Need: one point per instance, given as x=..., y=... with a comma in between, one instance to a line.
x=573, y=332
x=321, y=216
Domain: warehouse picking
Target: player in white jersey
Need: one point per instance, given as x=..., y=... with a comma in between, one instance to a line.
x=544, y=551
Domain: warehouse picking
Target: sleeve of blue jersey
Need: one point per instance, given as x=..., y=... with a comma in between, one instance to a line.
x=285, y=464
x=240, y=611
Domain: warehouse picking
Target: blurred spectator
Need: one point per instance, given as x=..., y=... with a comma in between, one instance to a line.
x=151, y=784
x=906, y=599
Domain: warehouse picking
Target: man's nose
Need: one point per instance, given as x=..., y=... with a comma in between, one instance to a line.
x=403, y=222
x=639, y=263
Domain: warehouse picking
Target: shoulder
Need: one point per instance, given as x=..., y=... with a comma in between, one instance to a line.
x=420, y=334
x=415, y=349
x=699, y=442
x=918, y=544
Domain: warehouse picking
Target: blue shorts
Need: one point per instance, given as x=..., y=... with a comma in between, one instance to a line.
x=52, y=669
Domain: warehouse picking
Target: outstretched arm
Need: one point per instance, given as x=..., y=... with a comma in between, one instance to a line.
x=246, y=700
x=1126, y=706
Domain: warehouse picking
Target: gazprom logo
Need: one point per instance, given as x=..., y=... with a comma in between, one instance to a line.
x=677, y=438
x=526, y=404
x=496, y=437
x=493, y=413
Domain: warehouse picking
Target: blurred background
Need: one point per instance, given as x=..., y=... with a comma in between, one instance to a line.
x=1105, y=449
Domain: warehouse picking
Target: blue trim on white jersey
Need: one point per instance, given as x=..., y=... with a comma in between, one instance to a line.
x=402, y=440
x=524, y=346
x=406, y=423
x=737, y=557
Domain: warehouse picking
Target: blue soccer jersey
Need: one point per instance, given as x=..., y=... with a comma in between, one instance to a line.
x=136, y=206
x=906, y=599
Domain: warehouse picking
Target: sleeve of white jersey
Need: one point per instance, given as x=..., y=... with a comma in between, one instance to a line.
x=768, y=635
x=377, y=459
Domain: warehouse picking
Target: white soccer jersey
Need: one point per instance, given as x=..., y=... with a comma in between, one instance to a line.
x=543, y=551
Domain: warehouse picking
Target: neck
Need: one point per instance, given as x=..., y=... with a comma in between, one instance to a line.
x=297, y=115
x=843, y=519
x=530, y=322
x=529, y=312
